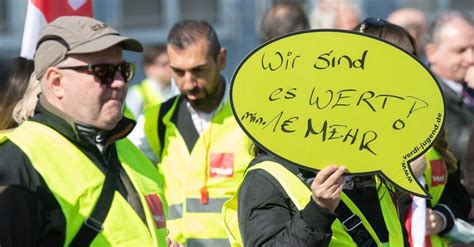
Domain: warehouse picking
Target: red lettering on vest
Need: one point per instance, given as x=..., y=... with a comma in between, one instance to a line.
x=156, y=208
x=438, y=172
x=222, y=165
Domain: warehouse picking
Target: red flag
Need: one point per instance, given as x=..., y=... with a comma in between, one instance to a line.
x=42, y=12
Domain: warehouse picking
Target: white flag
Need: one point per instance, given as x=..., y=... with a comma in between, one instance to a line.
x=42, y=12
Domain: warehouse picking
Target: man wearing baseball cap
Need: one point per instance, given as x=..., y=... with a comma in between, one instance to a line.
x=67, y=175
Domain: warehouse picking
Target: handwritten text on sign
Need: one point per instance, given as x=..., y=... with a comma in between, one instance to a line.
x=329, y=97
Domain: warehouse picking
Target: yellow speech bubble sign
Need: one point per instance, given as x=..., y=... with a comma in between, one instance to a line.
x=323, y=97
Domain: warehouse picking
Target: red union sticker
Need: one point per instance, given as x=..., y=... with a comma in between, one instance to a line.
x=438, y=172
x=222, y=165
x=156, y=208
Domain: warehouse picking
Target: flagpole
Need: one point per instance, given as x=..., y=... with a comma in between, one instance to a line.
x=34, y=22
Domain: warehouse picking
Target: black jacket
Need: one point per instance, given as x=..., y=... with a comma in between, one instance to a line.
x=268, y=217
x=29, y=213
x=454, y=202
x=458, y=122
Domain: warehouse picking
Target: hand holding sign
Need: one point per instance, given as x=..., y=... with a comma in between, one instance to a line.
x=333, y=97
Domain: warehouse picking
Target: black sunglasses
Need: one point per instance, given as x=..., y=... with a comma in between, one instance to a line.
x=372, y=22
x=106, y=72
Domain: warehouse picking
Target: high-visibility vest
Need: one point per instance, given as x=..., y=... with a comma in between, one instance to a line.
x=128, y=114
x=436, y=177
x=3, y=134
x=149, y=94
x=76, y=183
x=213, y=168
x=300, y=195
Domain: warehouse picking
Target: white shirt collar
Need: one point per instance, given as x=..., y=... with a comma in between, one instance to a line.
x=202, y=120
x=456, y=87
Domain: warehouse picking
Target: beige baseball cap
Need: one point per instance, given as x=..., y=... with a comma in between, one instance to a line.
x=76, y=35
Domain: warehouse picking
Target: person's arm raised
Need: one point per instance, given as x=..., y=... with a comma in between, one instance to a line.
x=327, y=187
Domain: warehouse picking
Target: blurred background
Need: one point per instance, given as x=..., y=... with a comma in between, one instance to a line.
x=236, y=21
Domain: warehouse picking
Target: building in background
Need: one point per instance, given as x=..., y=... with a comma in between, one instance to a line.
x=236, y=21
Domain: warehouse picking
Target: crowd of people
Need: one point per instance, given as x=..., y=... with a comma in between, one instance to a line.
x=84, y=163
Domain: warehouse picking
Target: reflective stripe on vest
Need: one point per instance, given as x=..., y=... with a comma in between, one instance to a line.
x=213, y=206
x=184, y=172
x=207, y=242
x=175, y=211
x=292, y=184
x=436, y=177
x=195, y=206
x=76, y=183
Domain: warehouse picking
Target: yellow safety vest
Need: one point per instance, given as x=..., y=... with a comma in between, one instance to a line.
x=436, y=177
x=3, y=134
x=127, y=113
x=216, y=163
x=149, y=95
x=300, y=195
x=76, y=183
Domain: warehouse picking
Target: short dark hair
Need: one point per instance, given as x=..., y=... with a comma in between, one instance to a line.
x=388, y=31
x=282, y=18
x=442, y=20
x=188, y=32
x=151, y=52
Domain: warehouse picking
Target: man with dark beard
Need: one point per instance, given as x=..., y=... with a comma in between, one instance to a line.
x=199, y=148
